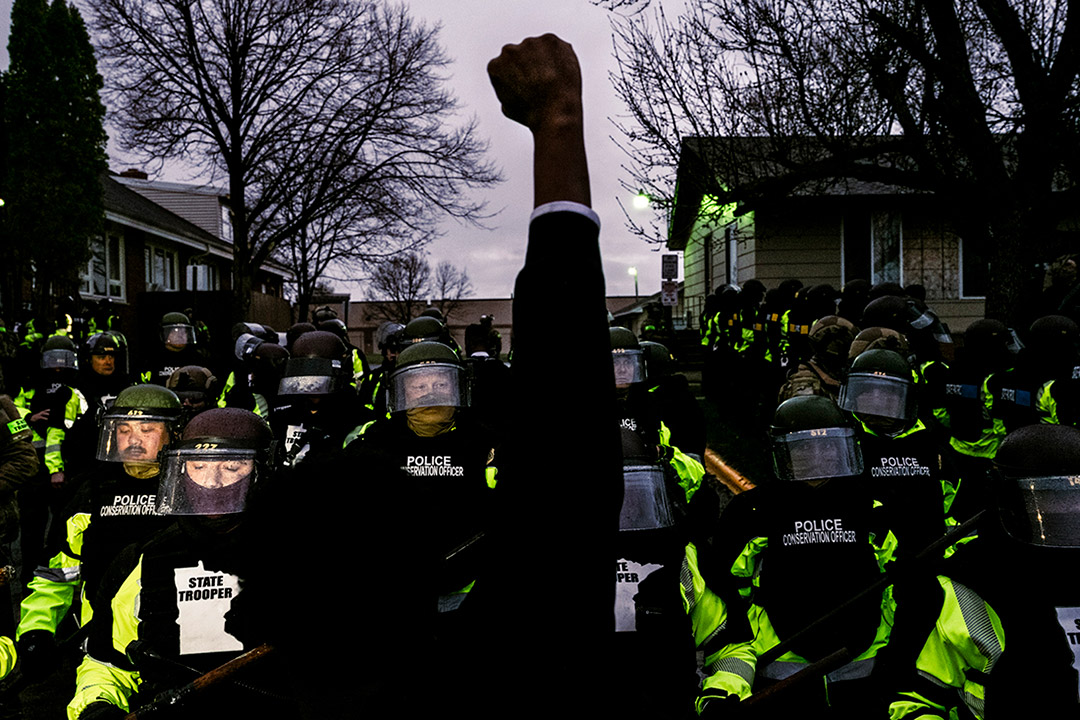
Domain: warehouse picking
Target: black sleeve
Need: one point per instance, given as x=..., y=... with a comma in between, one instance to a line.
x=560, y=485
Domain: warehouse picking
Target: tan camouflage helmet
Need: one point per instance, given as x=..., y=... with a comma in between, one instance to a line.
x=878, y=338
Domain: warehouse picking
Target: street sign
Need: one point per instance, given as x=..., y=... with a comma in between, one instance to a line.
x=669, y=293
x=669, y=267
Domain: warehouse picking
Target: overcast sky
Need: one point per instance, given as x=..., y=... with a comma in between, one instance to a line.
x=473, y=31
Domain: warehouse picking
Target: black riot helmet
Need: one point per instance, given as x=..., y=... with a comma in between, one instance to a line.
x=813, y=440
x=295, y=331
x=627, y=357
x=879, y=390
x=215, y=463
x=59, y=353
x=196, y=387
x=318, y=366
x=246, y=338
x=427, y=374
x=658, y=361
x=1037, y=471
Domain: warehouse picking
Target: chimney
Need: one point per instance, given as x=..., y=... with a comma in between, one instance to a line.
x=135, y=174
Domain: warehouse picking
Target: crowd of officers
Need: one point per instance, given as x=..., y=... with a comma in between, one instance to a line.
x=117, y=473
x=316, y=537
x=920, y=521
x=931, y=519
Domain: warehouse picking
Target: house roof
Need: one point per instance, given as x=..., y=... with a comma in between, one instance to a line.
x=126, y=206
x=707, y=164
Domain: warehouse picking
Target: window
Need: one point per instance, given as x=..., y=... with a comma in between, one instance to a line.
x=104, y=273
x=856, y=246
x=203, y=277
x=974, y=270
x=871, y=243
x=161, y=273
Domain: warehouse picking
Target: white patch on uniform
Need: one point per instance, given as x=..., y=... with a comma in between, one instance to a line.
x=203, y=597
x=1069, y=619
x=628, y=575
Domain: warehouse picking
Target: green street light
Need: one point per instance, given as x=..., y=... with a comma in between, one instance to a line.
x=641, y=201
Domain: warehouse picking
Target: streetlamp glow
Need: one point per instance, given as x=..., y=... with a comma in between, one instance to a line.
x=640, y=201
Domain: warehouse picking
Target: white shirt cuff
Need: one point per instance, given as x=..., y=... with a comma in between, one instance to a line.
x=565, y=206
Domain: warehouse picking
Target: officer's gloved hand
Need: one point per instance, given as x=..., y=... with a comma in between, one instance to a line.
x=102, y=711
x=38, y=655
x=721, y=706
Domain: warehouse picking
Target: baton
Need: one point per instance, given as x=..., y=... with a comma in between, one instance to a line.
x=170, y=699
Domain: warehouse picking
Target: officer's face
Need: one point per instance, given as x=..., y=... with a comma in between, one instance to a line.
x=215, y=474
x=103, y=364
x=177, y=338
x=140, y=441
x=428, y=388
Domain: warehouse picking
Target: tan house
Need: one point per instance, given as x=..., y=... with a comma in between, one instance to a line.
x=846, y=230
x=168, y=247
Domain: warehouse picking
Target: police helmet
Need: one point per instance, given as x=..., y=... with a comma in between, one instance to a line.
x=139, y=424
x=424, y=329
x=813, y=440
x=59, y=352
x=1053, y=332
x=324, y=313
x=658, y=360
x=295, y=331
x=627, y=357
x=246, y=338
x=1037, y=470
x=831, y=337
x=213, y=466
x=878, y=338
x=388, y=335
x=427, y=374
x=177, y=330
x=879, y=385
x=194, y=385
x=317, y=366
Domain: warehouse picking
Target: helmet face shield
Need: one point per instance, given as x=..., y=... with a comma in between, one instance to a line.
x=64, y=359
x=817, y=454
x=426, y=385
x=878, y=395
x=629, y=366
x=204, y=480
x=1051, y=511
x=135, y=437
x=645, y=503
x=178, y=335
x=311, y=376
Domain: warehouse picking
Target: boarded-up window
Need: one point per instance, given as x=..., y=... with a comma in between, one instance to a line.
x=856, y=241
x=885, y=241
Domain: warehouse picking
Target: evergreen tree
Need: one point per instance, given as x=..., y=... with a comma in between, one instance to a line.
x=53, y=119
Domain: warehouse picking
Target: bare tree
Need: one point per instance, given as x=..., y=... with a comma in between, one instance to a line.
x=449, y=286
x=399, y=286
x=974, y=102
x=403, y=285
x=333, y=96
